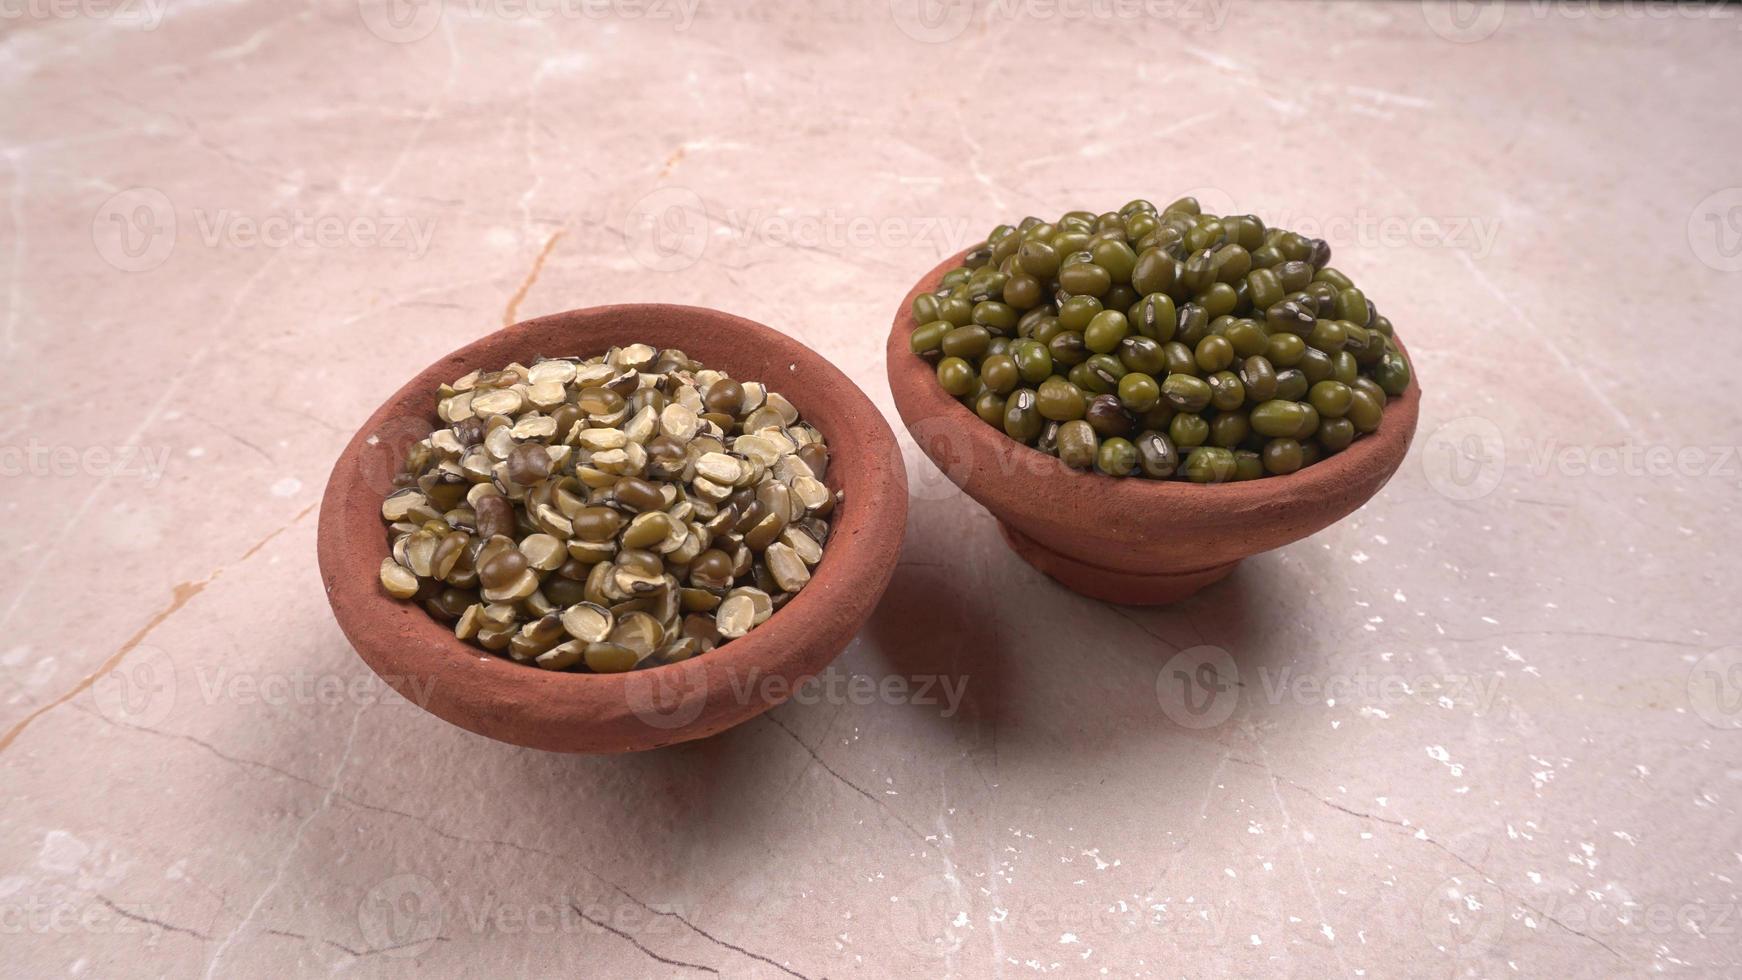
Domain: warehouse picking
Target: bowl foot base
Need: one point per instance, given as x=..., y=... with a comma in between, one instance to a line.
x=1110, y=585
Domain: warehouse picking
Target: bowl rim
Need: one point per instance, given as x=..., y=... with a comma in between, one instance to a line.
x=401, y=641
x=918, y=402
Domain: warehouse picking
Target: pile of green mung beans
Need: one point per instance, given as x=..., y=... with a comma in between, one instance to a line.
x=1168, y=344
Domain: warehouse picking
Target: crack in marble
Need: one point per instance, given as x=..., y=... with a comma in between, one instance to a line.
x=166, y=392
x=855, y=787
x=323, y=423
x=1589, y=634
x=200, y=140
x=1501, y=297
x=529, y=146
x=632, y=941
x=252, y=42
x=15, y=198
x=428, y=113
x=1566, y=363
x=182, y=594
x=234, y=437
x=513, y=309
x=1300, y=859
x=148, y=920
x=415, y=298
x=673, y=160
x=1421, y=834
x=1149, y=139
x=1563, y=926
x=349, y=951
x=446, y=835
x=1146, y=628
x=547, y=855
x=290, y=848
x=202, y=743
x=1209, y=793
x=710, y=937
x=853, y=261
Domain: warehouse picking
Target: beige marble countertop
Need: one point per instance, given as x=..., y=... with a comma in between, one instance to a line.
x=1491, y=725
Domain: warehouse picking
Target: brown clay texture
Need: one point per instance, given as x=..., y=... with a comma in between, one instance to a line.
x=565, y=712
x=1124, y=588
x=1133, y=541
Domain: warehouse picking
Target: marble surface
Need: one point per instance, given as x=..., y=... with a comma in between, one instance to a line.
x=1487, y=726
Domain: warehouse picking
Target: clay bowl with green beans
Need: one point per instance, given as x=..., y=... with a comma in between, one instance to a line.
x=721, y=517
x=1144, y=398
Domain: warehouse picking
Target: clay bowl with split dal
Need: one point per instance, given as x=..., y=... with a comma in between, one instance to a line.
x=643, y=709
x=1129, y=540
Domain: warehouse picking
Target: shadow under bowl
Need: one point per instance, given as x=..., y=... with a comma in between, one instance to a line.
x=576, y=712
x=1129, y=540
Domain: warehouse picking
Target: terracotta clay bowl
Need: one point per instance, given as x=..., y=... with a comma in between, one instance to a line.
x=1131, y=541
x=577, y=712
